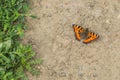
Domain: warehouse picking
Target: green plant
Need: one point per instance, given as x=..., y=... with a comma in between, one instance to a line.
x=15, y=58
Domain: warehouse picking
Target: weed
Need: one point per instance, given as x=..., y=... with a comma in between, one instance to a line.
x=15, y=58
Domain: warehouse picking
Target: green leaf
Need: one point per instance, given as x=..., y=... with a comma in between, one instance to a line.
x=35, y=71
x=28, y=67
x=6, y=26
x=33, y=16
x=1, y=46
x=7, y=44
x=8, y=74
x=12, y=56
x=1, y=69
x=19, y=6
x=25, y=7
x=7, y=60
x=37, y=61
x=16, y=15
x=13, y=2
x=19, y=72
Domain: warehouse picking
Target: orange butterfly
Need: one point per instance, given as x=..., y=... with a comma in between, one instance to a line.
x=78, y=30
x=90, y=37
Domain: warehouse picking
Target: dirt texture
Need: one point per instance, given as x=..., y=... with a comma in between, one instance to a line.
x=64, y=57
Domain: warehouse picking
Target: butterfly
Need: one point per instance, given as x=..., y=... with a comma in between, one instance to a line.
x=79, y=31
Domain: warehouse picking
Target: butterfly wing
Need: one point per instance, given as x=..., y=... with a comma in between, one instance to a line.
x=78, y=30
x=78, y=37
x=91, y=37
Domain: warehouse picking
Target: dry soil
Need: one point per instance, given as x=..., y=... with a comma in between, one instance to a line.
x=65, y=58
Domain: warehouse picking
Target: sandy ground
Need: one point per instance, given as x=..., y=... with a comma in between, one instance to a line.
x=65, y=58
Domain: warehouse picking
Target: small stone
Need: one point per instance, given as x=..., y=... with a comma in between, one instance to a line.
x=53, y=73
x=60, y=45
x=62, y=74
x=49, y=15
x=38, y=67
x=107, y=21
x=94, y=75
x=110, y=47
x=81, y=74
x=118, y=16
x=73, y=41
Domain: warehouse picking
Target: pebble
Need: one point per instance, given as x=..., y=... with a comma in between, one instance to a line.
x=94, y=75
x=108, y=21
x=81, y=75
x=118, y=16
x=62, y=74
